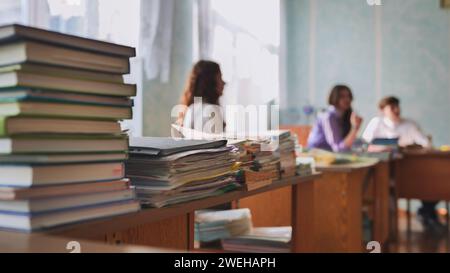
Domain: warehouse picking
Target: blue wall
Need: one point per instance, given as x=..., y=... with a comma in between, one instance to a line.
x=412, y=43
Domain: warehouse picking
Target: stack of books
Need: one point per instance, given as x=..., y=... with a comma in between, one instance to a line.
x=168, y=171
x=273, y=157
x=305, y=165
x=260, y=240
x=217, y=225
x=286, y=150
x=62, y=150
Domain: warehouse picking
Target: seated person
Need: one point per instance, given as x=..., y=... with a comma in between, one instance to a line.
x=336, y=129
x=391, y=125
x=204, y=88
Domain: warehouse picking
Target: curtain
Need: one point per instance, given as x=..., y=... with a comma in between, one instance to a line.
x=36, y=13
x=205, y=29
x=92, y=19
x=156, y=38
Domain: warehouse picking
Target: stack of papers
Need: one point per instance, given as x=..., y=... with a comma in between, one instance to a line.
x=216, y=225
x=324, y=159
x=260, y=240
x=286, y=150
x=273, y=158
x=168, y=171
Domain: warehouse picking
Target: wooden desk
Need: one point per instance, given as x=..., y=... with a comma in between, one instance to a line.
x=377, y=195
x=330, y=208
x=14, y=242
x=171, y=227
x=423, y=175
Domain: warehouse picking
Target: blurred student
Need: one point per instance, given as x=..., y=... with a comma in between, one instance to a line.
x=337, y=129
x=390, y=124
x=204, y=84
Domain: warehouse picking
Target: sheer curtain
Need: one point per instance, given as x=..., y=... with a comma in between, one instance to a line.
x=156, y=38
x=29, y=12
x=247, y=47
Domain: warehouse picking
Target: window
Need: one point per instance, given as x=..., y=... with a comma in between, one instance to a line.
x=10, y=12
x=108, y=20
x=246, y=44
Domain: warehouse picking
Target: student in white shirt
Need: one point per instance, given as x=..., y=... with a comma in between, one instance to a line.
x=391, y=125
x=201, y=97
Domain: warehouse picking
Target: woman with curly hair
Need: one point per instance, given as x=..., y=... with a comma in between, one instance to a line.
x=201, y=97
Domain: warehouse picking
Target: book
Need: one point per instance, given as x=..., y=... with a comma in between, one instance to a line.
x=27, y=94
x=64, y=110
x=258, y=184
x=10, y=126
x=43, y=205
x=44, y=144
x=215, y=225
x=53, y=219
x=62, y=158
x=385, y=141
x=261, y=240
x=164, y=146
x=10, y=193
x=33, y=52
x=19, y=79
x=36, y=175
x=11, y=33
x=255, y=180
x=63, y=72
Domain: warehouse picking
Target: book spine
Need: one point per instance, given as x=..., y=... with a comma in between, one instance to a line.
x=3, y=126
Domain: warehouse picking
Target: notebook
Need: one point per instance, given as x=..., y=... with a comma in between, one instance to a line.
x=10, y=126
x=11, y=33
x=27, y=51
x=10, y=193
x=164, y=146
x=35, y=175
x=20, y=79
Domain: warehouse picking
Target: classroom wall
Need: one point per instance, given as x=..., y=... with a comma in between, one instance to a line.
x=401, y=48
x=159, y=98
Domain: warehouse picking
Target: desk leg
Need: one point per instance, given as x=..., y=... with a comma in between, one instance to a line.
x=302, y=215
x=381, y=203
x=190, y=231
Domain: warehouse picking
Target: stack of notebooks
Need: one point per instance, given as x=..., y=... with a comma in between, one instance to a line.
x=234, y=232
x=273, y=157
x=62, y=150
x=168, y=171
x=217, y=225
x=260, y=240
x=286, y=150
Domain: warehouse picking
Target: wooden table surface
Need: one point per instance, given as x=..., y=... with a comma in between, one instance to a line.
x=15, y=242
x=170, y=227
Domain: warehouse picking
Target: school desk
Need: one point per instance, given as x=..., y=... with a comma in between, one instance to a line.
x=424, y=175
x=173, y=227
x=330, y=207
x=15, y=242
